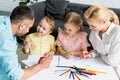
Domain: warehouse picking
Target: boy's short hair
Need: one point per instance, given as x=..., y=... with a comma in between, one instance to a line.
x=50, y=20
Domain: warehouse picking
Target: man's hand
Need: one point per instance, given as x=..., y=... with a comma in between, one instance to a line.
x=45, y=61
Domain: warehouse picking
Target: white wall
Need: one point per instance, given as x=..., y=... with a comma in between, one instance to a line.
x=8, y=5
x=108, y=3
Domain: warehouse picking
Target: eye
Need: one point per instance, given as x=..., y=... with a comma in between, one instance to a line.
x=92, y=26
x=44, y=28
x=40, y=25
x=69, y=30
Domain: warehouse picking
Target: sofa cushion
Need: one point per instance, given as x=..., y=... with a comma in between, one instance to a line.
x=56, y=8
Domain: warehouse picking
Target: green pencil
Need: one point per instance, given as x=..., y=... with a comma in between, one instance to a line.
x=66, y=50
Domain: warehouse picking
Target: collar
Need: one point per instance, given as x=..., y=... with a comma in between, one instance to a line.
x=110, y=28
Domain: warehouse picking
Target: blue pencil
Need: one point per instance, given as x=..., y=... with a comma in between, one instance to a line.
x=72, y=75
x=65, y=66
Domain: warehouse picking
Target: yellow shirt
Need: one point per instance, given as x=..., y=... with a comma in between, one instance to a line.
x=40, y=44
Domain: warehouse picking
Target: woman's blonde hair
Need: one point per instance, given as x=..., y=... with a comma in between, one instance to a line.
x=101, y=13
x=75, y=19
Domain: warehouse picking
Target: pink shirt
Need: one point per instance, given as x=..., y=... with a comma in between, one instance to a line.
x=72, y=44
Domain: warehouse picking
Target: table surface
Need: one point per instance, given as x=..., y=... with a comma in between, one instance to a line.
x=51, y=74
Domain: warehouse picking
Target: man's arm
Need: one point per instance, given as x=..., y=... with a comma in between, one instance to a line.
x=43, y=63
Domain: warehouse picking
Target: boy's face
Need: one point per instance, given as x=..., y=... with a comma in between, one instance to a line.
x=43, y=28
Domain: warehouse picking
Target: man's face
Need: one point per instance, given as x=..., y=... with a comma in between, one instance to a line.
x=24, y=27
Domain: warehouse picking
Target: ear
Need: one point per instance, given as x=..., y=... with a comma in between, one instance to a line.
x=21, y=26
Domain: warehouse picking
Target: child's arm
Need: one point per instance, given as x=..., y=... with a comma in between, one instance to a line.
x=25, y=49
x=64, y=52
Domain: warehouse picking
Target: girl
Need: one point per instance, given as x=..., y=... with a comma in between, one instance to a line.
x=72, y=40
x=105, y=35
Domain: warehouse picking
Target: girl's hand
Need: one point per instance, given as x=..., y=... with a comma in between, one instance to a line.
x=68, y=56
x=85, y=54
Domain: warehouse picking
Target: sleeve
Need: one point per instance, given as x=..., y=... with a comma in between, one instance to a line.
x=52, y=46
x=59, y=38
x=28, y=38
x=9, y=60
x=94, y=53
x=113, y=57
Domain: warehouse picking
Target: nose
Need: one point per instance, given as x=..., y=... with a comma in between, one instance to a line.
x=40, y=28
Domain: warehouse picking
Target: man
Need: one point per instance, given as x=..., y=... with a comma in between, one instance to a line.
x=19, y=23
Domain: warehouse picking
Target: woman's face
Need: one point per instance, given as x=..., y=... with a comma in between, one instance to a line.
x=71, y=29
x=95, y=25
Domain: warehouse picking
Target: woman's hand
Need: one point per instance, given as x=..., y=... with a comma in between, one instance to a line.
x=85, y=54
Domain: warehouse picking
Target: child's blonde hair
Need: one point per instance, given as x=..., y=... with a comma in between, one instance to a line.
x=50, y=20
x=101, y=13
x=74, y=18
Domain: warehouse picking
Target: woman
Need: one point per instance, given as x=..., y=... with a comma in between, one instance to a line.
x=105, y=35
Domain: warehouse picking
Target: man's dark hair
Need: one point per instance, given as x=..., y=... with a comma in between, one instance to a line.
x=21, y=13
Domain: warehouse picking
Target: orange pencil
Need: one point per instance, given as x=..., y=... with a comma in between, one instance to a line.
x=77, y=76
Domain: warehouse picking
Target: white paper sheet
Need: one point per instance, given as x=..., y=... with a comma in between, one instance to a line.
x=49, y=74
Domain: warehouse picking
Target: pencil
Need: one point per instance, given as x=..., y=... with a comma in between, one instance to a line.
x=67, y=52
x=58, y=60
x=23, y=40
x=61, y=70
x=65, y=66
x=64, y=72
x=72, y=75
x=76, y=76
x=86, y=72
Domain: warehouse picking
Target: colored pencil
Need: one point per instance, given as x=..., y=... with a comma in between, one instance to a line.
x=64, y=72
x=76, y=76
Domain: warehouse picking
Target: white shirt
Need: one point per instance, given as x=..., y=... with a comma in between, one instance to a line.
x=109, y=46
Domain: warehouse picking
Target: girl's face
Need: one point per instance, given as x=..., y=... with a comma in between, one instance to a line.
x=95, y=25
x=43, y=28
x=71, y=29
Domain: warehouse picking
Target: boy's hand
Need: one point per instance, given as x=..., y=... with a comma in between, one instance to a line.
x=28, y=44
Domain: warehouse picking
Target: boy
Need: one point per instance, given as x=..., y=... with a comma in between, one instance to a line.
x=41, y=42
